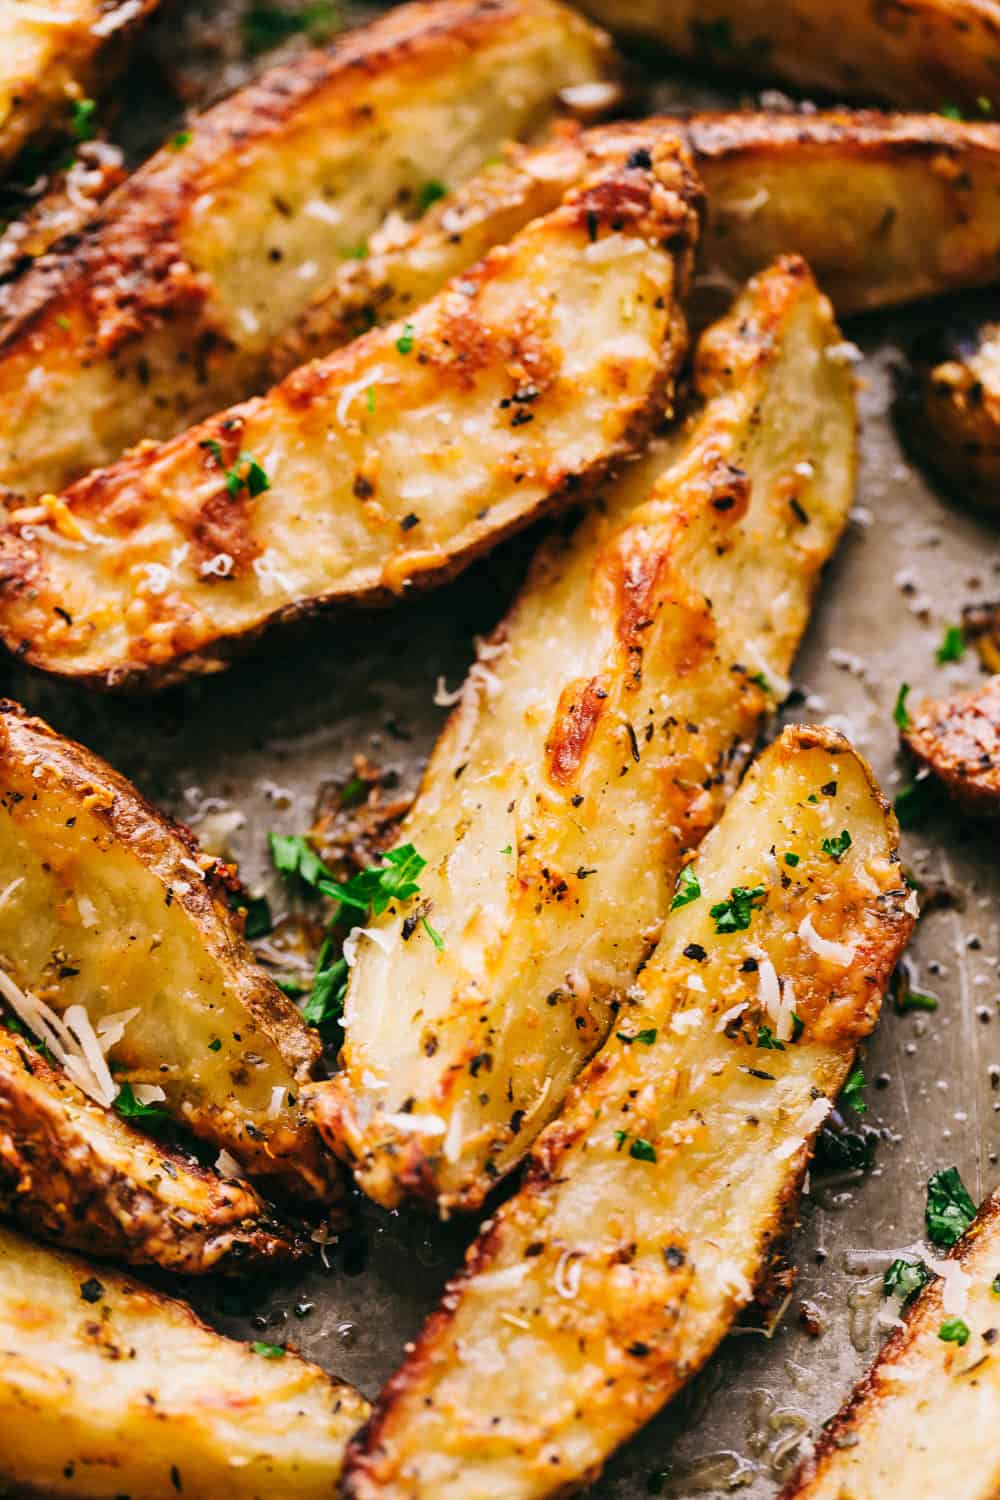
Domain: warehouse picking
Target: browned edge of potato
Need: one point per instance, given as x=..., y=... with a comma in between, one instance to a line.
x=388, y=465
x=597, y=739
x=949, y=409
x=885, y=208
x=71, y=198
x=958, y=740
x=653, y=1204
x=108, y=1388
x=915, y=54
x=165, y=308
x=76, y=1173
x=922, y=1422
x=105, y=905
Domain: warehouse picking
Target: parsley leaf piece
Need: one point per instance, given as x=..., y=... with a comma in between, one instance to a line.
x=791, y=859
x=838, y=846
x=767, y=1040
x=268, y=1351
x=293, y=855
x=900, y=713
x=851, y=1092
x=405, y=341
x=128, y=1106
x=180, y=140
x=952, y=645
x=687, y=888
x=904, y=1278
x=949, y=1210
x=264, y=26
x=913, y=802
x=915, y=1000
x=433, y=934
x=951, y=112
x=995, y=1285
x=252, y=478
x=621, y=1136
x=430, y=193
x=646, y=1037
x=954, y=1331
x=641, y=1150
x=374, y=889
x=734, y=915
x=326, y=998
x=82, y=119
x=761, y=681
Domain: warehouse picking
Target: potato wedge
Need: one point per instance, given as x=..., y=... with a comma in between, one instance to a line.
x=596, y=741
x=164, y=311
x=958, y=739
x=915, y=54
x=103, y=907
x=110, y=1389
x=71, y=199
x=652, y=1205
x=949, y=408
x=51, y=56
x=885, y=208
x=74, y=1172
x=389, y=464
x=921, y=1423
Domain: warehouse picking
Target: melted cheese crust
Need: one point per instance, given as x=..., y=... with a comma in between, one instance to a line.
x=597, y=740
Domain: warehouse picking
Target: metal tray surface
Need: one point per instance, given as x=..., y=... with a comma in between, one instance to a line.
x=260, y=740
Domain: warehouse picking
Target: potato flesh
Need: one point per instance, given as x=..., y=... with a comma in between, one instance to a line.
x=611, y=1276
x=951, y=414
x=922, y=1422
x=132, y=1394
x=553, y=835
x=166, y=311
x=104, y=907
x=394, y=460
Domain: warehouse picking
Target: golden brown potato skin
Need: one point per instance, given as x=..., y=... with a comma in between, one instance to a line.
x=165, y=309
x=107, y=907
x=958, y=739
x=75, y=1173
x=653, y=1203
x=914, y=54
x=923, y=1421
x=390, y=464
x=110, y=1389
x=950, y=410
x=884, y=208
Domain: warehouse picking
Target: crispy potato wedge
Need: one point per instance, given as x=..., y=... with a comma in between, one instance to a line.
x=164, y=311
x=389, y=464
x=949, y=406
x=52, y=55
x=885, y=208
x=596, y=741
x=104, y=907
x=74, y=1172
x=918, y=54
x=70, y=200
x=110, y=1389
x=981, y=628
x=922, y=1422
x=652, y=1204
x=958, y=739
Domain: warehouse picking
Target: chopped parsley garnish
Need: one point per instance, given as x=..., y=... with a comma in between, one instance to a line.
x=370, y=398
x=128, y=1106
x=294, y=855
x=180, y=140
x=326, y=998
x=433, y=934
x=215, y=1045
x=687, y=888
x=264, y=26
x=949, y=1210
x=17, y=1026
x=761, y=681
x=952, y=645
x=913, y=802
x=430, y=193
x=851, y=1092
x=246, y=473
x=641, y=1150
x=908, y=999
x=791, y=859
x=405, y=341
x=734, y=915
x=82, y=119
x=621, y=1136
x=372, y=890
x=954, y=1331
x=268, y=1351
x=904, y=1278
x=951, y=112
x=646, y=1037
x=838, y=846
x=900, y=713
x=767, y=1040
x=995, y=1285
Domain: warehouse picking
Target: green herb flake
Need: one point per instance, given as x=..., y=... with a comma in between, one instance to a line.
x=641, y=1150
x=370, y=398
x=646, y=1037
x=180, y=140
x=293, y=855
x=767, y=1040
x=734, y=915
x=791, y=859
x=63, y=322
x=913, y=802
x=761, y=681
x=954, y=1331
x=372, y=890
x=952, y=647
x=951, y=112
x=687, y=888
x=851, y=1092
x=246, y=473
x=915, y=1000
x=433, y=934
x=268, y=1351
x=900, y=713
x=904, y=1278
x=325, y=1005
x=995, y=1285
x=405, y=341
x=128, y=1106
x=838, y=846
x=621, y=1136
x=82, y=122
x=949, y=1210
x=265, y=26
x=430, y=193
x=215, y=1045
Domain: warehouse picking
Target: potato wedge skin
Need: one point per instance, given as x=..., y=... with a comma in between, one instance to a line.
x=830, y=186
x=43, y=68
x=108, y=1388
x=77, y=1174
x=102, y=884
x=164, y=310
x=390, y=464
x=922, y=1421
x=596, y=741
x=921, y=54
x=653, y=1203
x=958, y=739
x=949, y=410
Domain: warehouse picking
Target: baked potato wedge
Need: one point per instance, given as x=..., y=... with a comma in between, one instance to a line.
x=389, y=464
x=914, y=54
x=76, y=1173
x=105, y=910
x=164, y=310
x=652, y=1204
x=108, y=1389
x=885, y=209
x=958, y=740
x=931, y=1388
x=52, y=56
x=596, y=740
x=949, y=406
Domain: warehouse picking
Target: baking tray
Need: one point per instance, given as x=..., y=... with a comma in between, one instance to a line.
x=250, y=750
